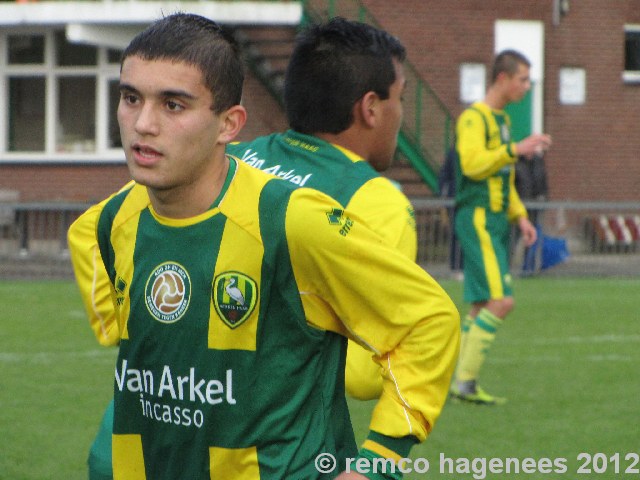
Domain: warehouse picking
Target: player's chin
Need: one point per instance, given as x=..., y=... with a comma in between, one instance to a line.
x=148, y=177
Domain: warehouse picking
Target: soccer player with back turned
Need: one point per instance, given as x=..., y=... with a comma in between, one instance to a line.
x=343, y=96
x=486, y=203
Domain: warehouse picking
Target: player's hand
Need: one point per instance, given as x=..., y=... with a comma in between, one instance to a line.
x=529, y=232
x=350, y=476
x=535, y=144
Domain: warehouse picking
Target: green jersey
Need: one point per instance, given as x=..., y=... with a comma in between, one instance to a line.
x=485, y=172
x=232, y=329
x=486, y=200
x=197, y=382
x=306, y=160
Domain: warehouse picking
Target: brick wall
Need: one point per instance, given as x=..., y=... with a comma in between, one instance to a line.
x=264, y=114
x=63, y=182
x=596, y=152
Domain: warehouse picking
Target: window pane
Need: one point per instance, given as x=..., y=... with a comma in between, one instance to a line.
x=113, y=56
x=632, y=51
x=76, y=114
x=26, y=49
x=74, y=54
x=26, y=114
x=114, y=129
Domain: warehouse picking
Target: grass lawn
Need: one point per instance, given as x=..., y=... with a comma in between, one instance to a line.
x=567, y=359
x=55, y=382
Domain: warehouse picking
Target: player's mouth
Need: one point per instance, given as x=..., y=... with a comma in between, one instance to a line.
x=144, y=155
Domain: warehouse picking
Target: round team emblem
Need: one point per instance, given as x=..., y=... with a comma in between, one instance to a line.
x=168, y=292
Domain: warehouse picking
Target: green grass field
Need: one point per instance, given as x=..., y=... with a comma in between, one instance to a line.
x=567, y=359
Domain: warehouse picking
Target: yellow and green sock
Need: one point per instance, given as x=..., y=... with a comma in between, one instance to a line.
x=476, y=344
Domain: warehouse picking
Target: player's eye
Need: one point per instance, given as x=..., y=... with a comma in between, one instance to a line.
x=174, y=106
x=129, y=97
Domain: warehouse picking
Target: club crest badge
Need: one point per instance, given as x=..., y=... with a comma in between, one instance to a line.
x=168, y=292
x=234, y=297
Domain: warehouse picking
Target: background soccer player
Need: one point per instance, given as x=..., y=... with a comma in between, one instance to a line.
x=343, y=97
x=486, y=203
x=234, y=291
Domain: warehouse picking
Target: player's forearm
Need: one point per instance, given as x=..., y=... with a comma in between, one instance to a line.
x=481, y=163
x=91, y=277
x=417, y=375
x=516, y=210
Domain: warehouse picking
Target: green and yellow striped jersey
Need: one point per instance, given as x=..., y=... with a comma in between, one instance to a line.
x=485, y=173
x=306, y=160
x=232, y=324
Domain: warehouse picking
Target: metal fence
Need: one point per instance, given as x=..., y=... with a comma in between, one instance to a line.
x=33, y=240
x=602, y=238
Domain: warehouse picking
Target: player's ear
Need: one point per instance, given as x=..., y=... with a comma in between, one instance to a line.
x=367, y=109
x=502, y=76
x=231, y=122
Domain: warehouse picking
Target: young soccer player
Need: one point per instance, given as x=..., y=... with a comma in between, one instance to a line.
x=234, y=292
x=486, y=203
x=343, y=97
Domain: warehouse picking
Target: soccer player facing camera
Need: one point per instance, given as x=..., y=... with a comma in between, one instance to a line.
x=234, y=292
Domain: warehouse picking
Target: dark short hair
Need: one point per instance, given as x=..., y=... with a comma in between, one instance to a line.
x=197, y=41
x=508, y=61
x=332, y=66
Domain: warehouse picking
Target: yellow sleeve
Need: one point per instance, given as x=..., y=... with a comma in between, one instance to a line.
x=478, y=160
x=389, y=213
x=516, y=207
x=367, y=290
x=91, y=276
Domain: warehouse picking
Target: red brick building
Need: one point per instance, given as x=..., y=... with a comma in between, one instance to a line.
x=590, y=100
x=596, y=151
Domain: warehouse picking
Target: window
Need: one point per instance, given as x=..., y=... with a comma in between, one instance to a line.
x=114, y=128
x=113, y=56
x=632, y=53
x=69, y=54
x=26, y=49
x=26, y=114
x=60, y=98
x=76, y=114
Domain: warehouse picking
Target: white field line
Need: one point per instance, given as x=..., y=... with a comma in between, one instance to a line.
x=578, y=340
x=608, y=358
x=608, y=339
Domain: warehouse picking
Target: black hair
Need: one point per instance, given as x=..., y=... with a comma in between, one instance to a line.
x=332, y=66
x=197, y=41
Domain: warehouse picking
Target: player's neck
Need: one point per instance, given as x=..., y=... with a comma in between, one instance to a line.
x=495, y=99
x=348, y=139
x=192, y=199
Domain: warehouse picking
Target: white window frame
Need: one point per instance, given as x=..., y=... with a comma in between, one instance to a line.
x=103, y=73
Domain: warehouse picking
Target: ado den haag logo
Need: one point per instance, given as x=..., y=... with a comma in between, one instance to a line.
x=234, y=297
x=168, y=292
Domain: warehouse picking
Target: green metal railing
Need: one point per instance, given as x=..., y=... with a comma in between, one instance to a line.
x=427, y=129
